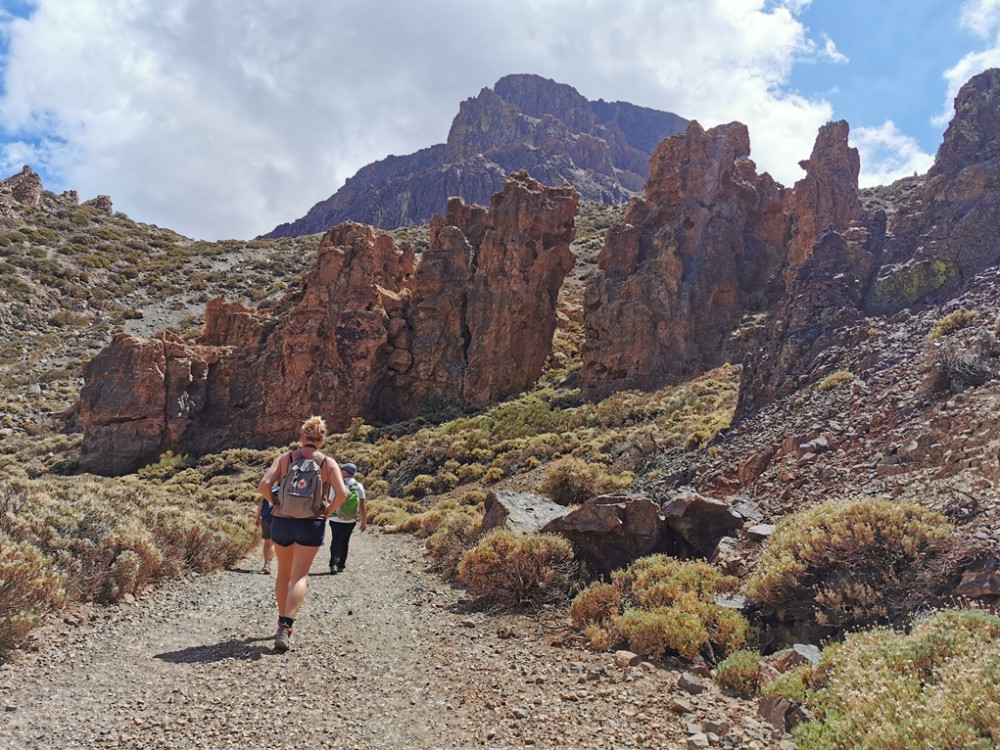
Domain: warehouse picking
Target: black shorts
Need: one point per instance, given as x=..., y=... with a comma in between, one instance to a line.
x=307, y=532
x=265, y=527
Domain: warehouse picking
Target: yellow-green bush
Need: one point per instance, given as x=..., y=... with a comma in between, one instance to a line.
x=858, y=562
x=661, y=605
x=652, y=634
x=30, y=586
x=953, y=321
x=793, y=684
x=835, y=380
x=739, y=673
x=573, y=481
x=513, y=569
x=449, y=541
x=936, y=687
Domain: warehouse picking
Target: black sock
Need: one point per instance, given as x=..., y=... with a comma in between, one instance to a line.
x=286, y=621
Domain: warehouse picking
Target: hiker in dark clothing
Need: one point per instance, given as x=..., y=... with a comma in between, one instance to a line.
x=263, y=520
x=345, y=518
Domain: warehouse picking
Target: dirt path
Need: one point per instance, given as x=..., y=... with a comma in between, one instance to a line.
x=384, y=658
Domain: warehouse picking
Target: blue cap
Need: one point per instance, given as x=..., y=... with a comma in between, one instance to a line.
x=350, y=469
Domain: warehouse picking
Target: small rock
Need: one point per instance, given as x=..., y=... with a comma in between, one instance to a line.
x=691, y=684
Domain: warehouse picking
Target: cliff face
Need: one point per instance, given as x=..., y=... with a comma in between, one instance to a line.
x=369, y=333
x=939, y=240
x=524, y=122
x=948, y=231
x=710, y=243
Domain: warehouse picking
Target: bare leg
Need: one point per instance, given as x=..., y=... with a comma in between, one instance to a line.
x=292, y=582
x=268, y=551
x=284, y=555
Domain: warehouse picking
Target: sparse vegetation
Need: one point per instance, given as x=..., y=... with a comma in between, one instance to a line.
x=739, y=673
x=937, y=686
x=857, y=563
x=660, y=605
x=953, y=321
x=514, y=570
x=835, y=380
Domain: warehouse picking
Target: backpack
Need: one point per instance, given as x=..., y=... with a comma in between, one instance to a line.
x=301, y=494
x=349, y=510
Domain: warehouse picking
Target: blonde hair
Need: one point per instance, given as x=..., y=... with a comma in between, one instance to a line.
x=314, y=429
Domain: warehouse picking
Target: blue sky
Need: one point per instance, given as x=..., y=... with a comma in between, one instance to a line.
x=223, y=118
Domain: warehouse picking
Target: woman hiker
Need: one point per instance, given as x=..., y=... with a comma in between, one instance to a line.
x=299, y=518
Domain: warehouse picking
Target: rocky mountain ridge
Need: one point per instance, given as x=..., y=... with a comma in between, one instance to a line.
x=710, y=245
x=524, y=122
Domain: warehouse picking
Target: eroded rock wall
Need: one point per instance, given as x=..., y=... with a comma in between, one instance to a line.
x=369, y=333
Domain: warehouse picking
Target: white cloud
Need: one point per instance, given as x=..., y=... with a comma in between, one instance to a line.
x=982, y=17
x=888, y=154
x=225, y=118
x=833, y=54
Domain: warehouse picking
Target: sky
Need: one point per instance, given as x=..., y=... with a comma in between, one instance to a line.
x=221, y=119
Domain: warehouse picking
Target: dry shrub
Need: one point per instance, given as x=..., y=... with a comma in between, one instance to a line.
x=961, y=362
x=739, y=673
x=390, y=512
x=937, y=686
x=511, y=569
x=448, y=543
x=858, y=563
x=602, y=638
x=953, y=321
x=30, y=586
x=835, y=380
x=599, y=603
x=652, y=634
x=669, y=607
x=572, y=481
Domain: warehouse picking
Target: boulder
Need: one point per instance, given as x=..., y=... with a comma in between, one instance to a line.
x=610, y=531
x=524, y=512
x=701, y=522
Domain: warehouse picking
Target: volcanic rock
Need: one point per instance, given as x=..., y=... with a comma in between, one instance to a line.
x=525, y=122
x=947, y=232
x=688, y=262
x=367, y=334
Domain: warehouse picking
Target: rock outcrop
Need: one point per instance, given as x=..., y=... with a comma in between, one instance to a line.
x=711, y=243
x=369, y=333
x=818, y=318
x=25, y=190
x=482, y=307
x=947, y=233
x=523, y=122
x=705, y=245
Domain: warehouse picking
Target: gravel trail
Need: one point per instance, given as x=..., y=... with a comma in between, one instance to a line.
x=385, y=657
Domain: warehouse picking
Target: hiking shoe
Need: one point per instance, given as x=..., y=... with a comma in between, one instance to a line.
x=266, y=570
x=334, y=569
x=283, y=638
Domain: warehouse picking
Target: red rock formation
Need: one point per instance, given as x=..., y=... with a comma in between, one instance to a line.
x=26, y=187
x=828, y=194
x=367, y=334
x=140, y=399
x=483, y=303
x=711, y=242
x=685, y=266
